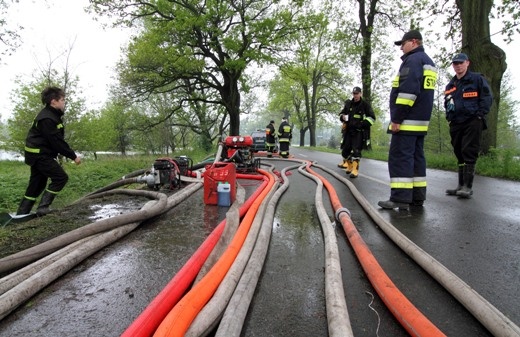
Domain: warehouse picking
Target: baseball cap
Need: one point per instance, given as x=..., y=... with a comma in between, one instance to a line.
x=460, y=57
x=272, y=121
x=413, y=34
x=355, y=90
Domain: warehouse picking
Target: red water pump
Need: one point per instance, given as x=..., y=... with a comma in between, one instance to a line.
x=237, y=149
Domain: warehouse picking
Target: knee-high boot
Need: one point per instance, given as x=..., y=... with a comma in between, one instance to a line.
x=25, y=207
x=45, y=202
x=461, y=182
x=468, y=175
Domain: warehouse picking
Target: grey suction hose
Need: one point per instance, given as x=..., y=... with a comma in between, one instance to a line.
x=488, y=315
x=235, y=314
x=31, y=254
x=26, y=282
x=11, y=299
x=209, y=316
x=337, y=313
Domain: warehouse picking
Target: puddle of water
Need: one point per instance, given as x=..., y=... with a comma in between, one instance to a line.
x=111, y=210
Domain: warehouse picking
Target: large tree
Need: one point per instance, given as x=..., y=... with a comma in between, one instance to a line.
x=208, y=43
x=486, y=57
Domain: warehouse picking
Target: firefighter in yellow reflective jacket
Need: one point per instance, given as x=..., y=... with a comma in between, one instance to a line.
x=411, y=103
x=284, y=137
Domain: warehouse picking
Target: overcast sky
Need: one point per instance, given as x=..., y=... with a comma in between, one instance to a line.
x=51, y=26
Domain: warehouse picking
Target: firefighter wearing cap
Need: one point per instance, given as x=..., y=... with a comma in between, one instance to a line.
x=357, y=117
x=270, y=138
x=284, y=137
x=411, y=103
x=467, y=101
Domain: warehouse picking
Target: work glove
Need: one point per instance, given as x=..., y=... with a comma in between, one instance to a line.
x=450, y=105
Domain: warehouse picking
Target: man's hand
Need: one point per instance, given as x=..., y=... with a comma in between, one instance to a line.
x=395, y=127
x=77, y=160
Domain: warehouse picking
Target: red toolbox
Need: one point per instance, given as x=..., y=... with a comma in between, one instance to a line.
x=219, y=173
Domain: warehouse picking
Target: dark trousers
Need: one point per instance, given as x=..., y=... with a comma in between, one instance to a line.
x=407, y=168
x=352, y=145
x=284, y=147
x=465, y=139
x=42, y=169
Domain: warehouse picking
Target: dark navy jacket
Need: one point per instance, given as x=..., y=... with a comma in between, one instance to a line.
x=472, y=98
x=411, y=98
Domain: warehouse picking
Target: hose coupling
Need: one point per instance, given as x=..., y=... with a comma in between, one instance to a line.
x=341, y=210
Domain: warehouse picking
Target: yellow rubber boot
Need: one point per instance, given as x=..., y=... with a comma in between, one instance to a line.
x=348, y=169
x=343, y=164
x=355, y=167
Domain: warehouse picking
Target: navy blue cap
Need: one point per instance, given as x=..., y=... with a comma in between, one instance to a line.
x=411, y=35
x=460, y=57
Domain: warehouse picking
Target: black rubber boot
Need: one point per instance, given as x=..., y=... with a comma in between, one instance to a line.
x=45, y=202
x=469, y=173
x=25, y=206
x=461, y=182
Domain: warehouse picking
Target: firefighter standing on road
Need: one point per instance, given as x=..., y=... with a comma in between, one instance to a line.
x=411, y=103
x=357, y=117
x=284, y=137
x=270, y=138
x=467, y=101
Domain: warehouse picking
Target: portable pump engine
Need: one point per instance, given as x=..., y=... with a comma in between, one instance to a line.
x=167, y=172
x=238, y=150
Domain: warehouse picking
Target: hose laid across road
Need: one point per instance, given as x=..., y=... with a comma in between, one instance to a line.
x=152, y=316
x=403, y=310
x=234, y=316
x=180, y=317
x=337, y=314
x=488, y=315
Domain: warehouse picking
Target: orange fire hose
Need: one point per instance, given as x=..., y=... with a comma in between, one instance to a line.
x=178, y=320
x=404, y=311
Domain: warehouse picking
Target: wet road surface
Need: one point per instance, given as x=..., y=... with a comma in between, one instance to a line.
x=477, y=239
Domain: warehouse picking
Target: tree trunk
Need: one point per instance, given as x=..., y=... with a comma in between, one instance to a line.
x=230, y=95
x=485, y=57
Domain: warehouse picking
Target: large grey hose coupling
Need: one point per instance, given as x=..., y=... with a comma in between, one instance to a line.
x=341, y=210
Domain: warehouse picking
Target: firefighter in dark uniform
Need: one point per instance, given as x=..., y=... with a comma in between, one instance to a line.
x=467, y=101
x=270, y=138
x=357, y=117
x=284, y=137
x=45, y=140
x=411, y=103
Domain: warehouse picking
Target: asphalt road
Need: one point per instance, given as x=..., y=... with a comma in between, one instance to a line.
x=477, y=239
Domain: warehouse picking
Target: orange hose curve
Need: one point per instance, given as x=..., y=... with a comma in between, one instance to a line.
x=404, y=311
x=178, y=320
x=148, y=321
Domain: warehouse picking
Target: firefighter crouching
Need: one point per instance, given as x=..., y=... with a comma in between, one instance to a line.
x=357, y=117
x=284, y=137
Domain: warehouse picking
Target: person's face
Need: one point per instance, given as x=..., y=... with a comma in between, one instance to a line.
x=408, y=45
x=58, y=104
x=460, y=68
x=356, y=96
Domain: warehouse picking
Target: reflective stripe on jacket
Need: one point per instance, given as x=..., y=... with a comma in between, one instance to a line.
x=411, y=98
